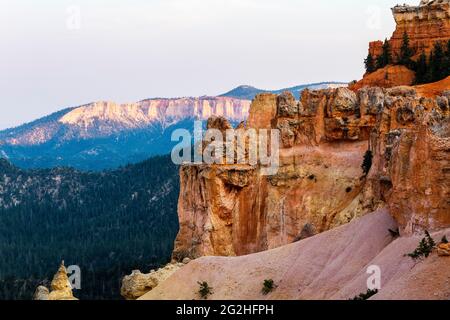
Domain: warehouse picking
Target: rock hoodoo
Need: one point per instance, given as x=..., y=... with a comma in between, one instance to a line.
x=61, y=289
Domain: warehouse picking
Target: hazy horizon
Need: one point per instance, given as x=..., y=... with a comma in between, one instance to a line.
x=59, y=54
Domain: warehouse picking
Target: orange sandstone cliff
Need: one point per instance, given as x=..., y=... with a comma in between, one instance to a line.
x=318, y=224
x=425, y=25
x=411, y=148
x=232, y=210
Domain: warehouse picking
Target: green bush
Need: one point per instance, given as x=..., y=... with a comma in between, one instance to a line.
x=424, y=248
x=268, y=286
x=365, y=296
x=205, y=290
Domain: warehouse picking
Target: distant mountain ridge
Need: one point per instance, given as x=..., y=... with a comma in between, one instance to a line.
x=106, y=135
x=249, y=92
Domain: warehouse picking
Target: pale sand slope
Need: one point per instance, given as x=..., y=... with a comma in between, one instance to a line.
x=331, y=265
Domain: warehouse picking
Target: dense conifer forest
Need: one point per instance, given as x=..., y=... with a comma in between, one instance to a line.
x=107, y=223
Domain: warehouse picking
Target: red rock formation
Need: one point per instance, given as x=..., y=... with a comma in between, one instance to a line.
x=376, y=48
x=388, y=77
x=235, y=210
x=425, y=25
x=433, y=90
x=410, y=171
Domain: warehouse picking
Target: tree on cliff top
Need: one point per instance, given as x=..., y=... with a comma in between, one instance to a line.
x=406, y=52
x=421, y=69
x=446, y=66
x=386, y=57
x=370, y=64
x=438, y=62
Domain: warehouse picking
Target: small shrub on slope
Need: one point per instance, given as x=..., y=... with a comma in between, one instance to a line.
x=268, y=287
x=365, y=296
x=424, y=248
x=205, y=290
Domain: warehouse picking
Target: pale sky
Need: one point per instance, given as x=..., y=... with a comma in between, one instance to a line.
x=60, y=53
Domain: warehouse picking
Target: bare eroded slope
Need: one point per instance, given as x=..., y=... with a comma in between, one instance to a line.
x=331, y=265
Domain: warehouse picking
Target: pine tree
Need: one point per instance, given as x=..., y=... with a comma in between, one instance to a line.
x=446, y=71
x=437, y=63
x=429, y=73
x=406, y=52
x=370, y=64
x=386, y=57
x=421, y=69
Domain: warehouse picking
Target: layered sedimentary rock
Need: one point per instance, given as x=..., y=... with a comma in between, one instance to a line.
x=232, y=210
x=432, y=90
x=387, y=77
x=411, y=147
x=424, y=24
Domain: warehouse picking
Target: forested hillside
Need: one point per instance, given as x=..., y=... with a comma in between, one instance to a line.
x=107, y=223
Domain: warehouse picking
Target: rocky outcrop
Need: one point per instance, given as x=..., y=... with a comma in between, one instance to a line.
x=444, y=250
x=387, y=77
x=61, y=288
x=433, y=90
x=425, y=25
x=410, y=143
x=137, y=284
x=41, y=293
x=230, y=210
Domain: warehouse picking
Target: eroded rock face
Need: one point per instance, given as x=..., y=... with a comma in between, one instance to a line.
x=444, y=250
x=388, y=77
x=229, y=210
x=137, y=284
x=425, y=25
x=410, y=171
